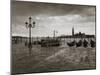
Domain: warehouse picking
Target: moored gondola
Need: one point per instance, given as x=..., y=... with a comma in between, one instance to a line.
x=92, y=43
x=79, y=43
x=70, y=44
x=85, y=43
x=50, y=42
x=36, y=43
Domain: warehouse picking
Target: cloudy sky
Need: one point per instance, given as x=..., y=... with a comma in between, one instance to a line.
x=50, y=17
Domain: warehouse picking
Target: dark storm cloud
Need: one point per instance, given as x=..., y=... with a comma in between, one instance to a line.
x=27, y=8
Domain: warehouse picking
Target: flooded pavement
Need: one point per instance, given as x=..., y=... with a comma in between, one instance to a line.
x=46, y=59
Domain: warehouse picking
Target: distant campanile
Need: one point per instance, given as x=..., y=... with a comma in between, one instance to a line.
x=72, y=31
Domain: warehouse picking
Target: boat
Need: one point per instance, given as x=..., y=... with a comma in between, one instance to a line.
x=85, y=43
x=50, y=42
x=70, y=44
x=79, y=43
x=92, y=43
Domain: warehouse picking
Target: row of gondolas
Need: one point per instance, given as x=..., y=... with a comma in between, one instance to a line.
x=83, y=43
x=80, y=43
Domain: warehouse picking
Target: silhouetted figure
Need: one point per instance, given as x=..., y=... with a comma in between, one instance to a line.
x=70, y=44
x=92, y=43
x=85, y=43
x=79, y=43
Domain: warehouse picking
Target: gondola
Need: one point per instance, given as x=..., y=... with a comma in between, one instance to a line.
x=79, y=43
x=92, y=43
x=70, y=44
x=50, y=42
x=85, y=43
x=36, y=43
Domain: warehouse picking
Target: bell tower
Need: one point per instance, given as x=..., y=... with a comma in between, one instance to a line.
x=72, y=31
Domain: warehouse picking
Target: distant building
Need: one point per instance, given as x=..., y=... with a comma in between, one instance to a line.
x=21, y=39
x=73, y=31
x=80, y=34
x=77, y=35
x=18, y=39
